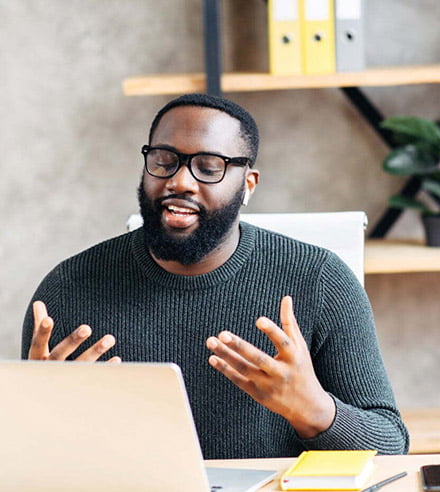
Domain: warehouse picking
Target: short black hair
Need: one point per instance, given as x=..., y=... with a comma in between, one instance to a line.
x=248, y=127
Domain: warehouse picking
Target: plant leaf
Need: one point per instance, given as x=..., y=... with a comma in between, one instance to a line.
x=400, y=201
x=431, y=186
x=410, y=129
x=412, y=159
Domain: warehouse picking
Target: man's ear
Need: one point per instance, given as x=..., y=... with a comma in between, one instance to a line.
x=252, y=178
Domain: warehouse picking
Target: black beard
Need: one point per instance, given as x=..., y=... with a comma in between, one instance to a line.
x=213, y=227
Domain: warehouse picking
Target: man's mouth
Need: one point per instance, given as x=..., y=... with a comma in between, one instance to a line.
x=179, y=215
x=180, y=211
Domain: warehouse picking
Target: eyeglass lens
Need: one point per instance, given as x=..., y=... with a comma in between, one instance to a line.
x=207, y=168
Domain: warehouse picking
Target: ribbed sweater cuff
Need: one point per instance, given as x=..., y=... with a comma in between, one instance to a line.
x=340, y=434
x=350, y=430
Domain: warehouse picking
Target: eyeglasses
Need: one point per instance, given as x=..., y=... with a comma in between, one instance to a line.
x=207, y=168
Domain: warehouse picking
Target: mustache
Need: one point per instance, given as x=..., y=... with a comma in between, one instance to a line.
x=180, y=196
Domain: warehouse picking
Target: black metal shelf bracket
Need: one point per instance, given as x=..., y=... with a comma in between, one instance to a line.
x=369, y=112
x=213, y=52
x=391, y=214
x=374, y=117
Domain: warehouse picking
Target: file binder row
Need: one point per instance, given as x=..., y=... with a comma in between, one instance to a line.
x=315, y=36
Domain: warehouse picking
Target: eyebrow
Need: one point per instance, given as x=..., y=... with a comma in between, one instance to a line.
x=173, y=149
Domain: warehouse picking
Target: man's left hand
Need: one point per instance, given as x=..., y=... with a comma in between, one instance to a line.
x=286, y=383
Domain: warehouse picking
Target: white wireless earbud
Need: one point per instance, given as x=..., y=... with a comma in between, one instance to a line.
x=246, y=197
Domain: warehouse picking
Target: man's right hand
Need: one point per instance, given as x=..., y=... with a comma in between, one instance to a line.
x=43, y=326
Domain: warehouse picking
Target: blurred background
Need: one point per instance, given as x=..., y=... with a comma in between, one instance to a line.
x=70, y=143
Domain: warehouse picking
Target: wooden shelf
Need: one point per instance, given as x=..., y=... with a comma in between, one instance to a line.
x=156, y=84
x=399, y=256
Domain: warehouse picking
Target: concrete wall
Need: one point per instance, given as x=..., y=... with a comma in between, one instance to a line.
x=70, y=141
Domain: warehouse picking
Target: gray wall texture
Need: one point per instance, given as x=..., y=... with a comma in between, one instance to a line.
x=70, y=143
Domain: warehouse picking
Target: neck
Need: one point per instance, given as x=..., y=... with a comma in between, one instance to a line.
x=210, y=262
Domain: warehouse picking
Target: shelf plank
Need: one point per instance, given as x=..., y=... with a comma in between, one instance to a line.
x=399, y=256
x=157, y=84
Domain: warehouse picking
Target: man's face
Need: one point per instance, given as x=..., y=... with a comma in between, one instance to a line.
x=184, y=219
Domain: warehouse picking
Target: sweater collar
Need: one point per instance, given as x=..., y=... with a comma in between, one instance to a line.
x=222, y=274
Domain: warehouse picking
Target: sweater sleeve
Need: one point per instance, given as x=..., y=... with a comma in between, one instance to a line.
x=348, y=363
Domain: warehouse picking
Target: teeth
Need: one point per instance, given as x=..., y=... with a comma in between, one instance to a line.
x=180, y=210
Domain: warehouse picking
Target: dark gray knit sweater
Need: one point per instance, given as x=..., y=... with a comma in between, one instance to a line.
x=117, y=288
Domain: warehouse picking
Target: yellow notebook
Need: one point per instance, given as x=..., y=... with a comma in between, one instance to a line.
x=329, y=470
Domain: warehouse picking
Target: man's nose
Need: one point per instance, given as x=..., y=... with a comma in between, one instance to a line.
x=183, y=181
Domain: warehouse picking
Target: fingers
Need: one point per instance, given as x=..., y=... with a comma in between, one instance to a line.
x=238, y=379
x=231, y=365
x=98, y=349
x=281, y=340
x=287, y=338
x=288, y=320
x=67, y=346
x=114, y=360
x=240, y=355
x=245, y=358
x=43, y=326
x=40, y=312
x=247, y=367
x=235, y=355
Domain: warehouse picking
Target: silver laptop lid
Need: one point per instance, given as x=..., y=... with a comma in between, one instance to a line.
x=91, y=427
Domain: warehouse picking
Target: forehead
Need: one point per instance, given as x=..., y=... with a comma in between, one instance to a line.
x=191, y=129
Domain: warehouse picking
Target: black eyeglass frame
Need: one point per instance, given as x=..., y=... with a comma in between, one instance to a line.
x=186, y=159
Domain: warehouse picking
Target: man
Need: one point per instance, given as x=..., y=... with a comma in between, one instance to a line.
x=309, y=380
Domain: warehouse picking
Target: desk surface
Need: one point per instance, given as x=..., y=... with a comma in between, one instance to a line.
x=386, y=466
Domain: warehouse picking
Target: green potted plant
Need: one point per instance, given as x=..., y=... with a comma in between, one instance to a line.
x=417, y=153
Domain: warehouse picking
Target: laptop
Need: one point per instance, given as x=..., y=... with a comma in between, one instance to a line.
x=89, y=427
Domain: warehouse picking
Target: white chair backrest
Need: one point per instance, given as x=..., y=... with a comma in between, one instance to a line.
x=340, y=232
